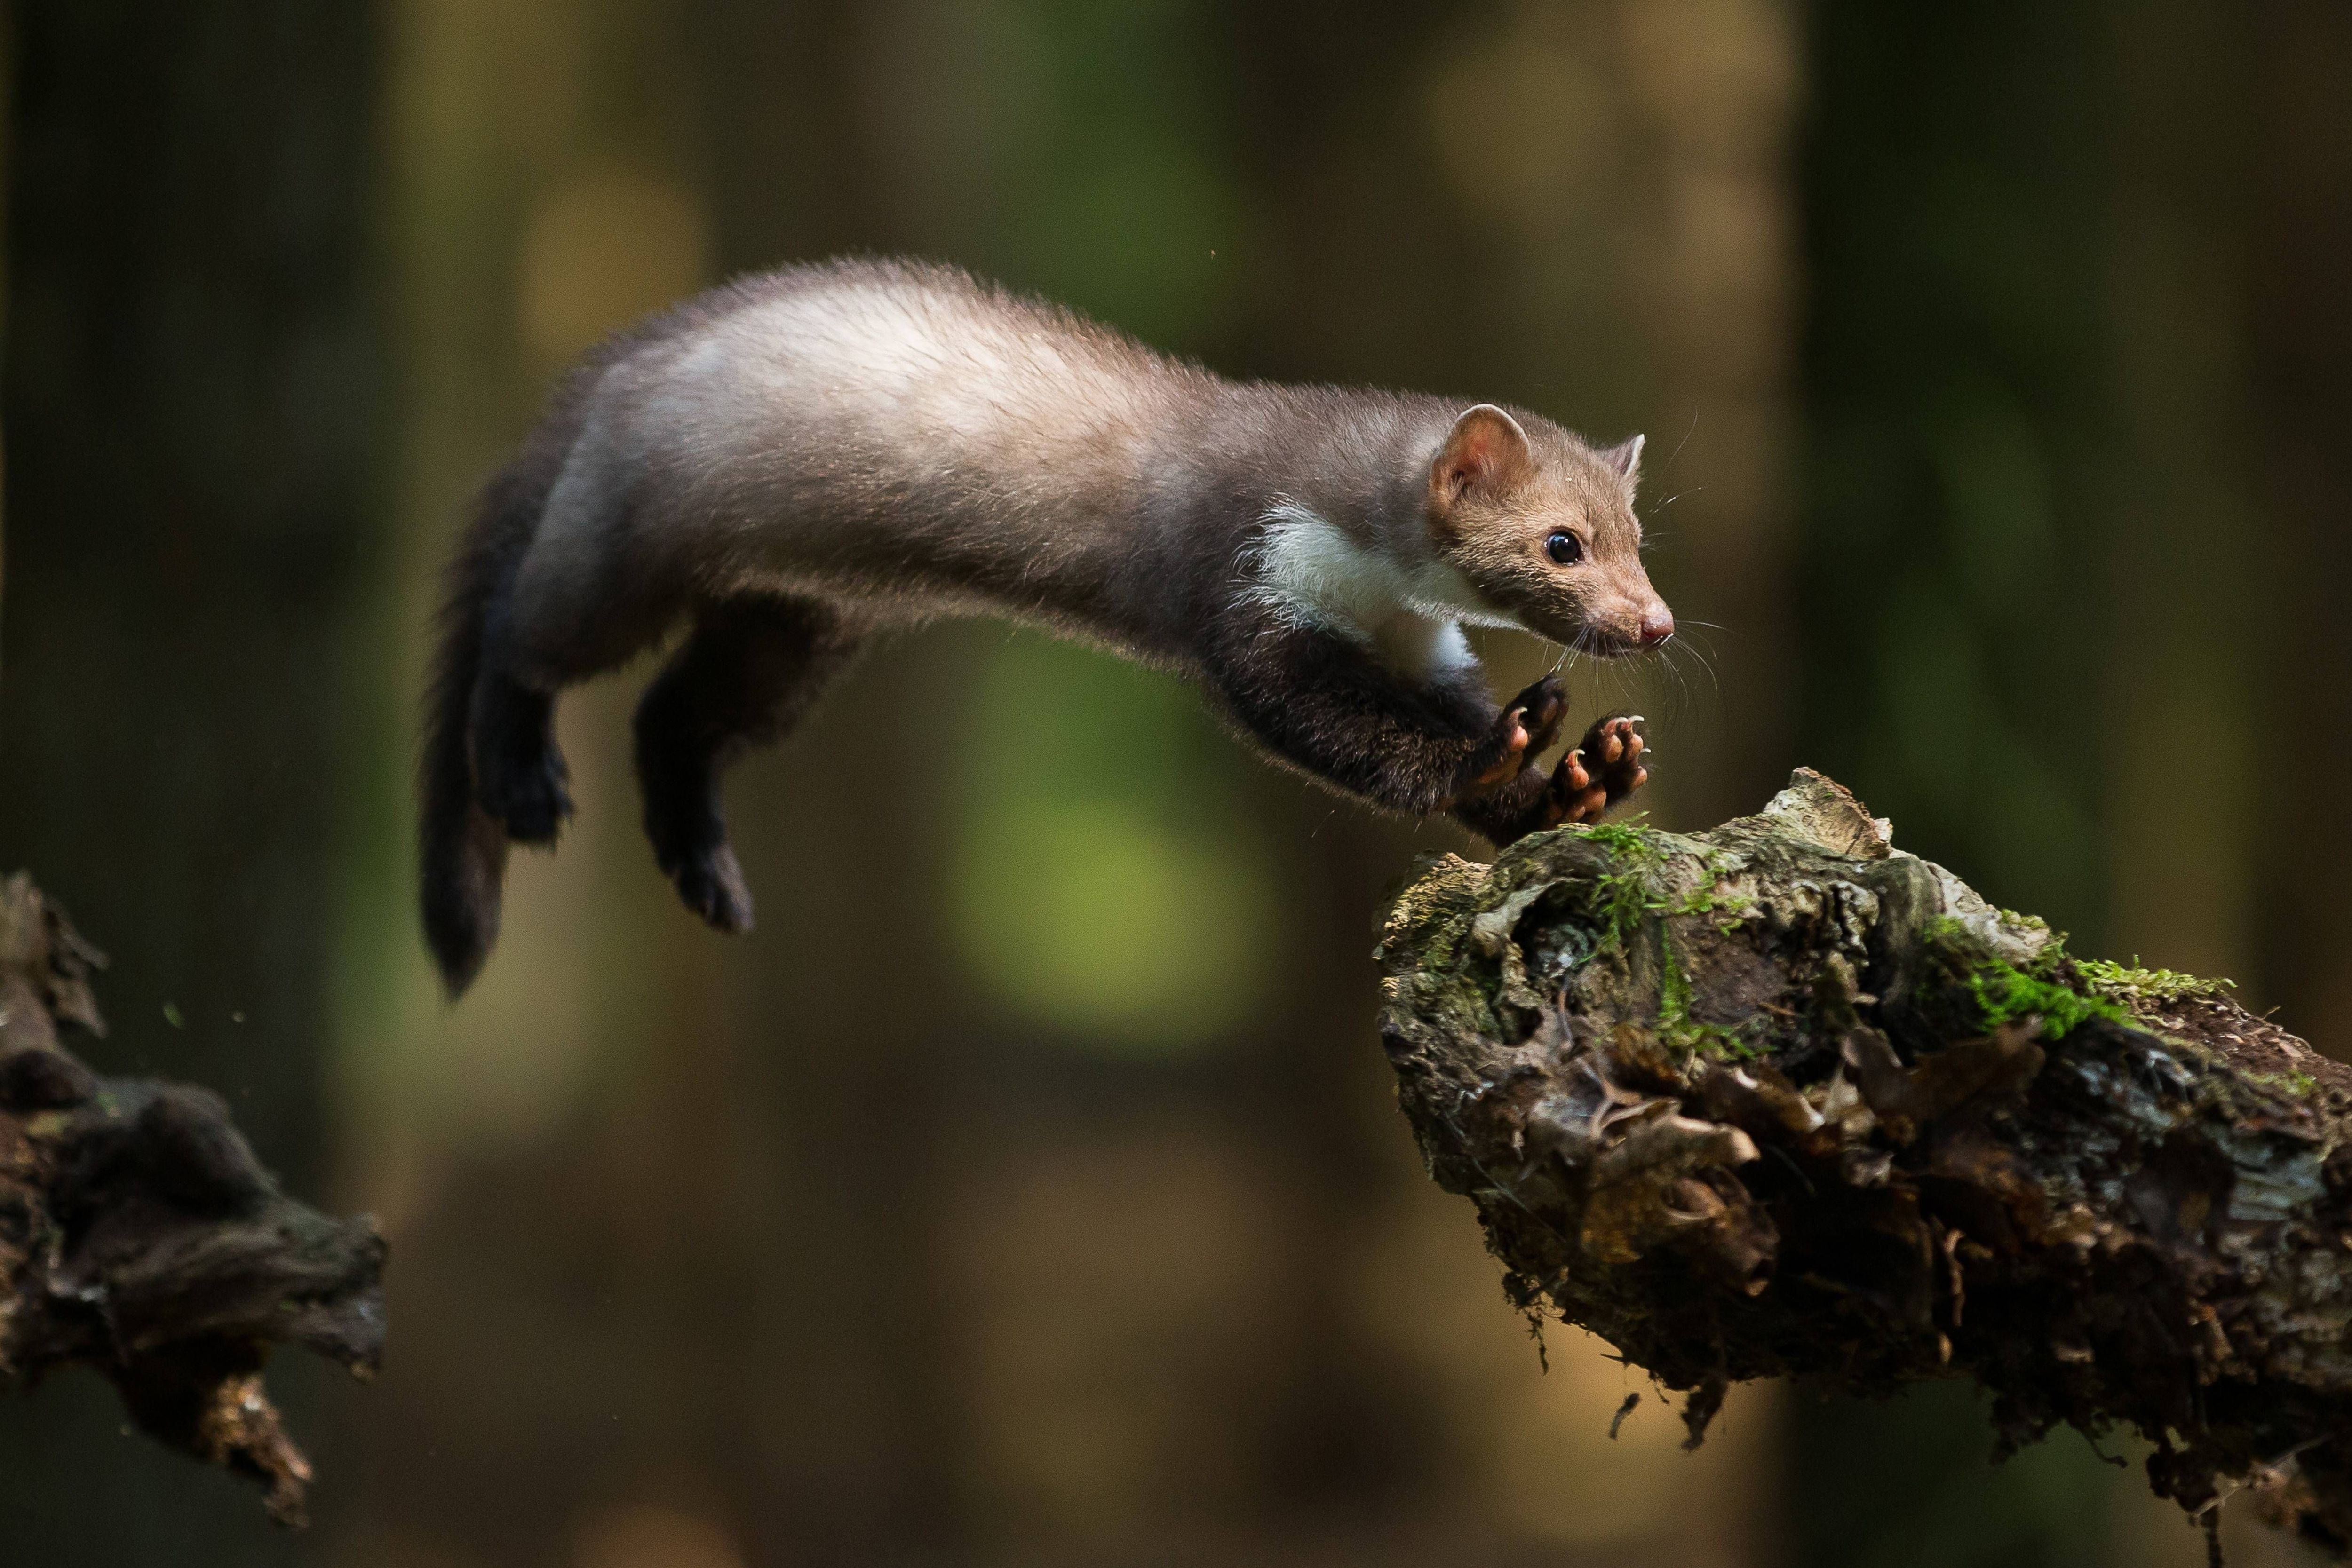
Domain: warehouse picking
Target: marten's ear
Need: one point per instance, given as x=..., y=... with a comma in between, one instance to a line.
x=1626, y=458
x=1486, y=450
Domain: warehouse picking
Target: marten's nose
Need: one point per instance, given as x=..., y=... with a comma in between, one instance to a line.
x=1657, y=625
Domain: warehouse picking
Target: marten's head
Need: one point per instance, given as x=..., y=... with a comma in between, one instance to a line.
x=1542, y=529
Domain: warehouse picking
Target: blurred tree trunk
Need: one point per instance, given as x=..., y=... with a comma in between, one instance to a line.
x=845, y=1416
x=2301, y=191
x=188, y=394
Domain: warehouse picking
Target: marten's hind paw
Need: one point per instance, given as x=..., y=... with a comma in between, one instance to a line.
x=529, y=792
x=1604, y=768
x=711, y=883
x=689, y=839
x=518, y=775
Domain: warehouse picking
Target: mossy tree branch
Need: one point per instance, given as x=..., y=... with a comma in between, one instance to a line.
x=139, y=1235
x=1777, y=1100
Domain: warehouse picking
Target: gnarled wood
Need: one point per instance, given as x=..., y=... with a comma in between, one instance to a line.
x=1778, y=1100
x=139, y=1235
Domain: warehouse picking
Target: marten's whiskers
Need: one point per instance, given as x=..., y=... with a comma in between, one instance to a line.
x=1705, y=663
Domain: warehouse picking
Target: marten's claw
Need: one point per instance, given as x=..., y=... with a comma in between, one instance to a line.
x=1594, y=775
x=1612, y=760
x=1511, y=755
x=1574, y=795
x=1545, y=704
x=1527, y=727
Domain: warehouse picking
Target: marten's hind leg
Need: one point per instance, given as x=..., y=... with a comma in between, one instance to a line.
x=749, y=671
x=519, y=777
x=569, y=614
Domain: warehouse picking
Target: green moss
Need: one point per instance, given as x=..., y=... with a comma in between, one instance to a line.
x=2050, y=986
x=1708, y=897
x=1681, y=1032
x=1623, y=839
x=1623, y=897
x=2137, y=988
x=1620, y=900
x=1674, y=984
x=2302, y=1085
x=1950, y=932
x=2007, y=993
x=2066, y=991
x=1714, y=1040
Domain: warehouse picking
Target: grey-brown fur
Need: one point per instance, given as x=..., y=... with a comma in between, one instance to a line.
x=797, y=460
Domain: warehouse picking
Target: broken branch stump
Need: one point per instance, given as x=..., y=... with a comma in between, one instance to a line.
x=140, y=1236
x=1777, y=1099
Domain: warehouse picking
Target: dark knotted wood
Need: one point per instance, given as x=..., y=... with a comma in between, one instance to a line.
x=140, y=1236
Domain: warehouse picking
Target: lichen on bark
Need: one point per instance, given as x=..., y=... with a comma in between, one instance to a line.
x=1777, y=1099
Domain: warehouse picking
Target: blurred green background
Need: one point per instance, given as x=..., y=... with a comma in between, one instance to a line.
x=1027, y=1189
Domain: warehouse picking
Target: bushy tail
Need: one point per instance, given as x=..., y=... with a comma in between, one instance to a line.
x=461, y=848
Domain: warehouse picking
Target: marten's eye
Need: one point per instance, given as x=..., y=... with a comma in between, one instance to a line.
x=1565, y=549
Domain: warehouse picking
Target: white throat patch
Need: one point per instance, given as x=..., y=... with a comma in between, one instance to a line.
x=1308, y=568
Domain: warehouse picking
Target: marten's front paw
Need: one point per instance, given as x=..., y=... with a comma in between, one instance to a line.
x=1526, y=728
x=1604, y=768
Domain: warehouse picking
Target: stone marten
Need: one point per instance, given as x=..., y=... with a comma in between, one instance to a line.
x=793, y=462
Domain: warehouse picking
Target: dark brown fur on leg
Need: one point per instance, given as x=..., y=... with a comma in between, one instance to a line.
x=751, y=670
x=1510, y=810
x=1324, y=705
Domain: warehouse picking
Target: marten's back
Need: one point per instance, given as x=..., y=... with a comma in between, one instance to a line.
x=873, y=419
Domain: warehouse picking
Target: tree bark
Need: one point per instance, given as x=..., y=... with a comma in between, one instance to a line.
x=140, y=1236
x=1777, y=1100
